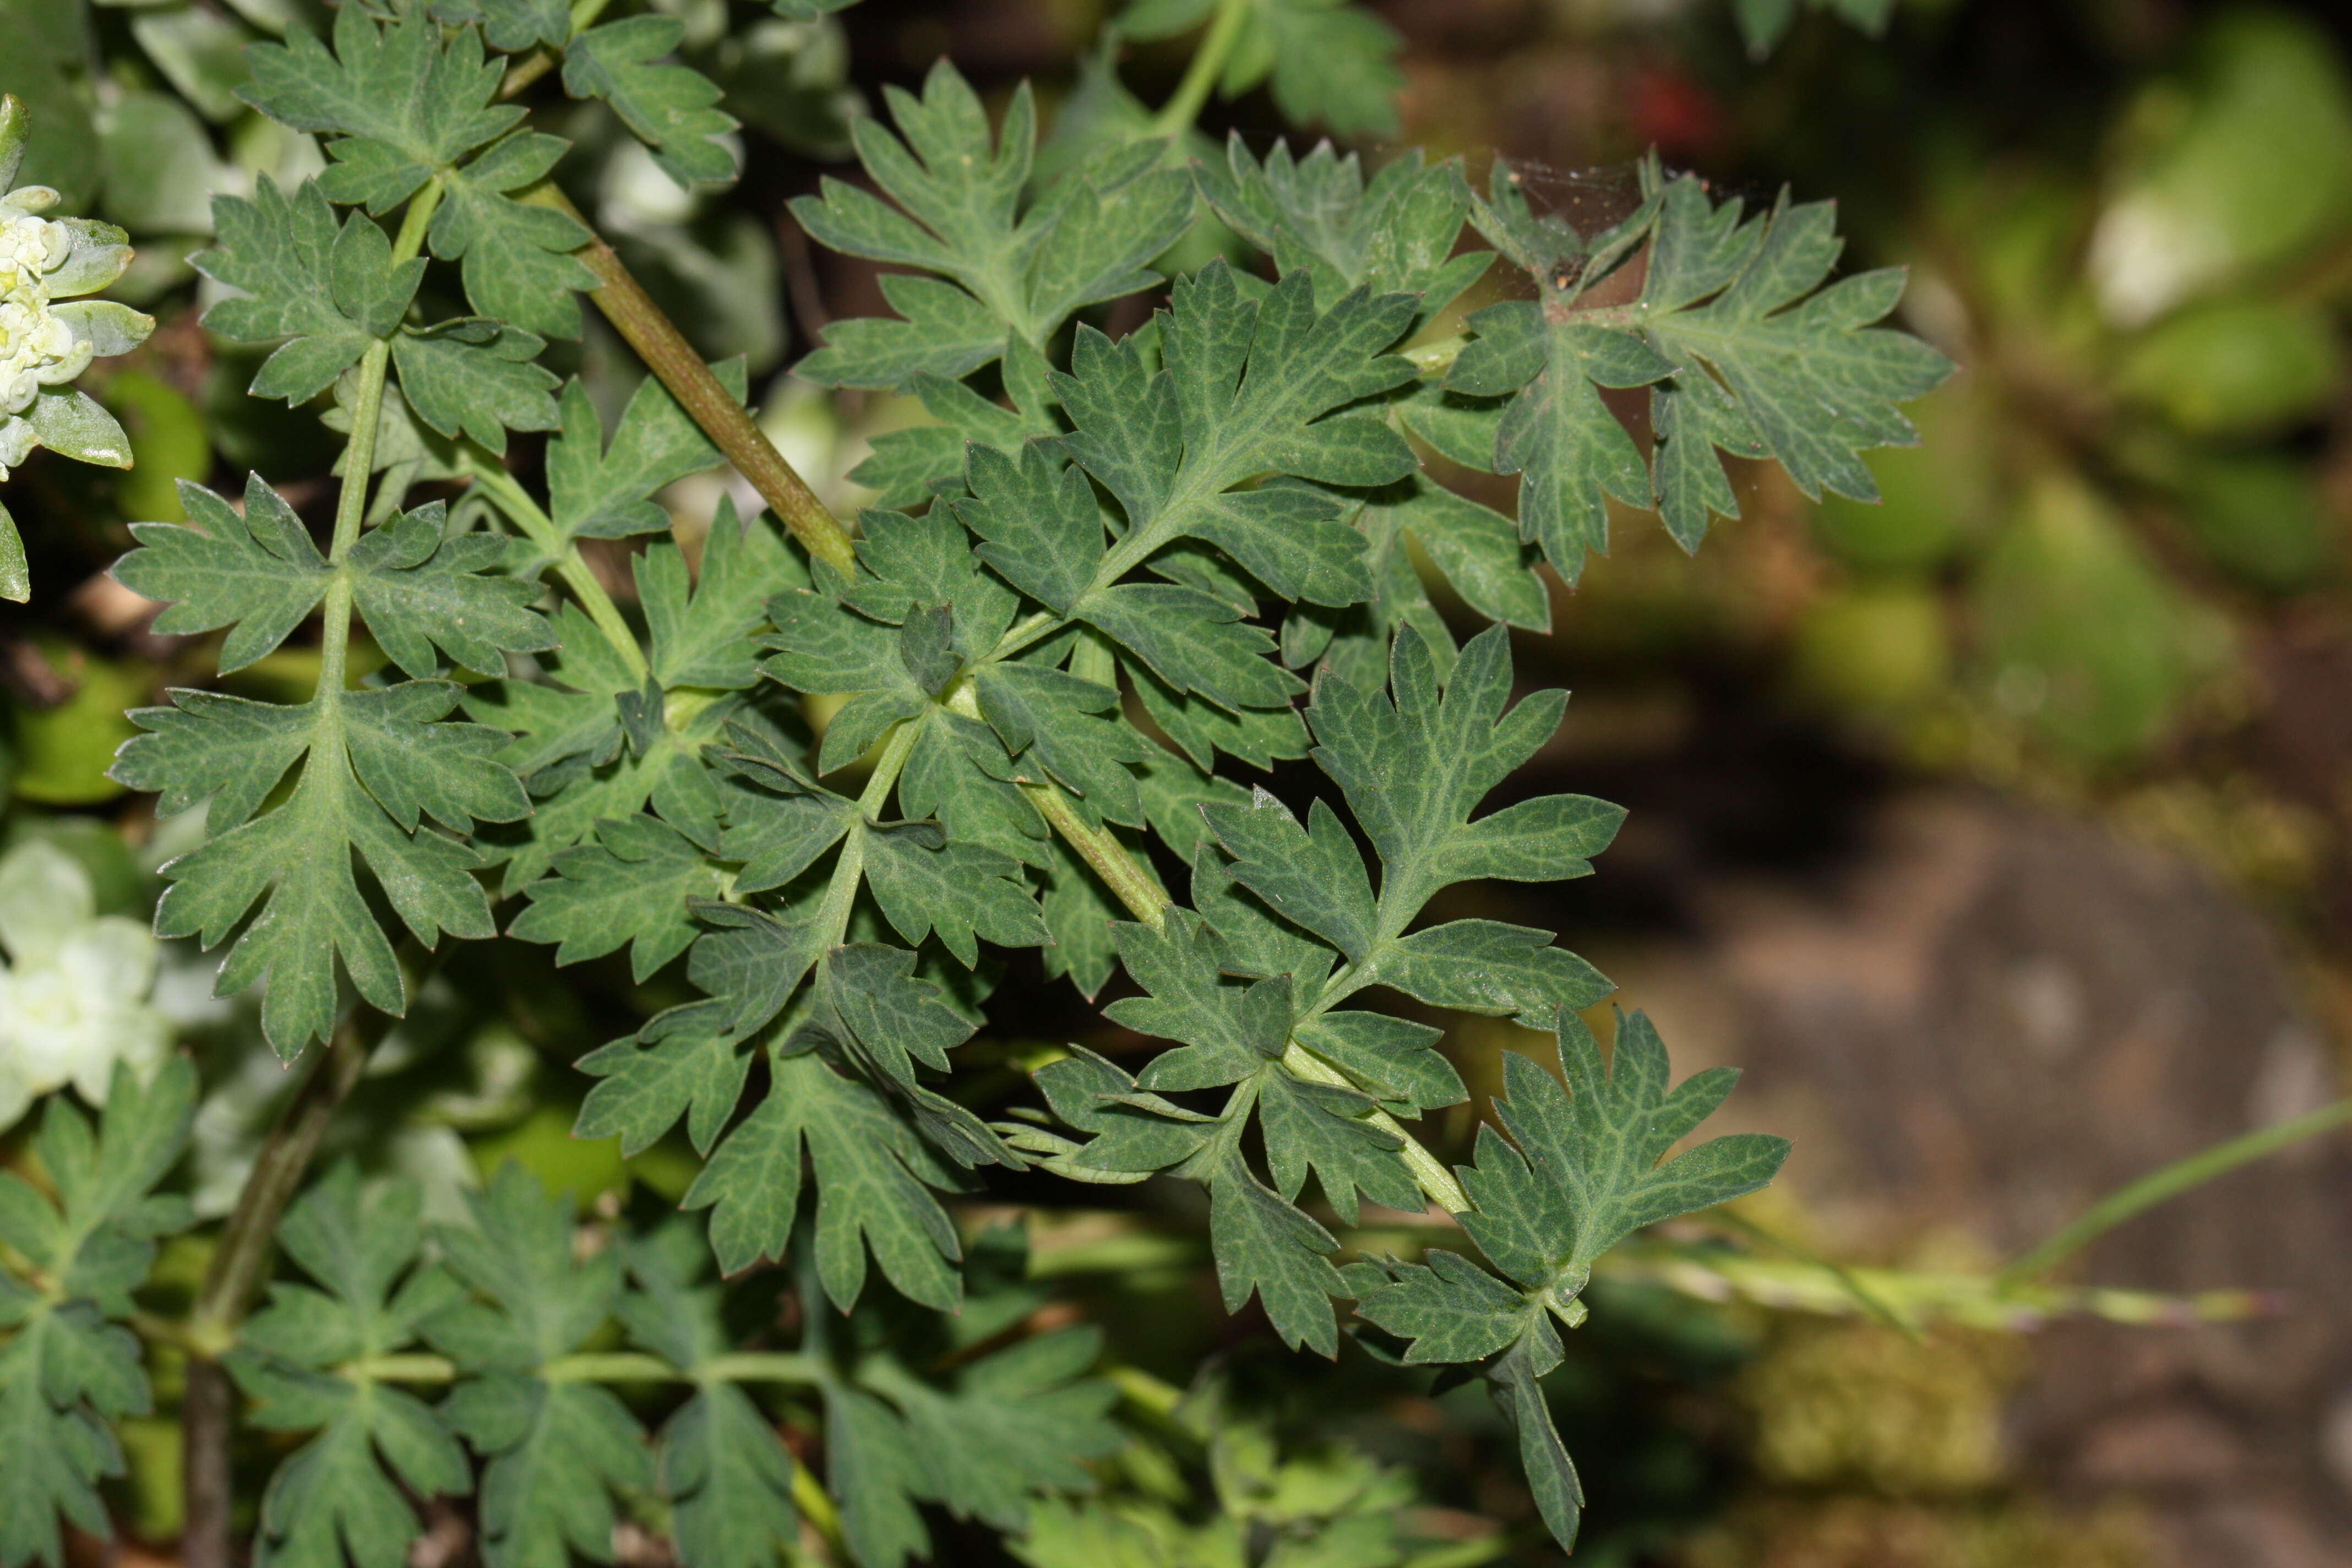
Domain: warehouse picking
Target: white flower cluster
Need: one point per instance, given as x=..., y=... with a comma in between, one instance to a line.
x=37, y=348
x=44, y=344
x=73, y=996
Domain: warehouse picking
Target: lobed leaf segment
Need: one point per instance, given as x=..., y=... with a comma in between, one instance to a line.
x=1075, y=597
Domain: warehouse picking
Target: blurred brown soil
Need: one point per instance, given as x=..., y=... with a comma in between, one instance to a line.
x=1991, y=1016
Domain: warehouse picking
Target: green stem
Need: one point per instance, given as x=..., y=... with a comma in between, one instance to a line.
x=849, y=868
x=1145, y=1392
x=607, y=1366
x=1191, y=94
x=359, y=460
x=728, y=423
x=761, y=1366
x=1125, y=876
x=2178, y=1177
x=809, y=1496
x=540, y=530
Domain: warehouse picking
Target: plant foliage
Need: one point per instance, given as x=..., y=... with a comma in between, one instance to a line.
x=835, y=783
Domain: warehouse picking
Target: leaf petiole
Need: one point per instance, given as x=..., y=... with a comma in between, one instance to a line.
x=527, y=515
x=1207, y=64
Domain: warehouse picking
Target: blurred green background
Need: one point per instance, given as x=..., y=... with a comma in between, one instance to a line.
x=1999, y=830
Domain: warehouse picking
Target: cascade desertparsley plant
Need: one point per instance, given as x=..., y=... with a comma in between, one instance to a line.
x=1107, y=574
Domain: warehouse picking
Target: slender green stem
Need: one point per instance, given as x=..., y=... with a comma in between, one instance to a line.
x=1867, y=1300
x=1191, y=93
x=607, y=1366
x=359, y=460
x=2173, y=1180
x=1144, y=1390
x=809, y=1496
x=728, y=423
x=1126, y=877
x=761, y=1366
x=540, y=530
x=849, y=867
x=418, y=1368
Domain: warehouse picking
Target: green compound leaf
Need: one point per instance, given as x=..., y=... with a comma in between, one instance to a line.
x=1044, y=536
x=1246, y=389
x=582, y=762
x=1229, y=1031
x=691, y=1065
x=874, y=1177
x=729, y=1479
x=64, y=1376
x=704, y=639
x=517, y=259
x=1327, y=62
x=408, y=101
x=959, y=774
x=1581, y=1171
x=1743, y=348
x=631, y=888
x=341, y=1493
x=415, y=584
x=874, y=1469
x=1558, y=432
x=1289, y=925
x=911, y=466
x=1394, y=234
x=329, y=289
x=601, y=491
x=1060, y=728
x=67, y=1372
x=476, y=377
x=1413, y=764
x=1008, y=1427
x=372, y=766
x=556, y=1449
x=369, y=766
x=1270, y=1247
x=1586, y=1173
x=926, y=882
x=408, y=104
x=720, y=1460
x=669, y=106
x=1017, y=272
x=1475, y=548
x=96, y=1241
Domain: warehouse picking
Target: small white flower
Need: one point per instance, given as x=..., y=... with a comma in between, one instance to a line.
x=73, y=997
x=48, y=337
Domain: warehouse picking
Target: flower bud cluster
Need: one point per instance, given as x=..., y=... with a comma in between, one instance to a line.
x=37, y=349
